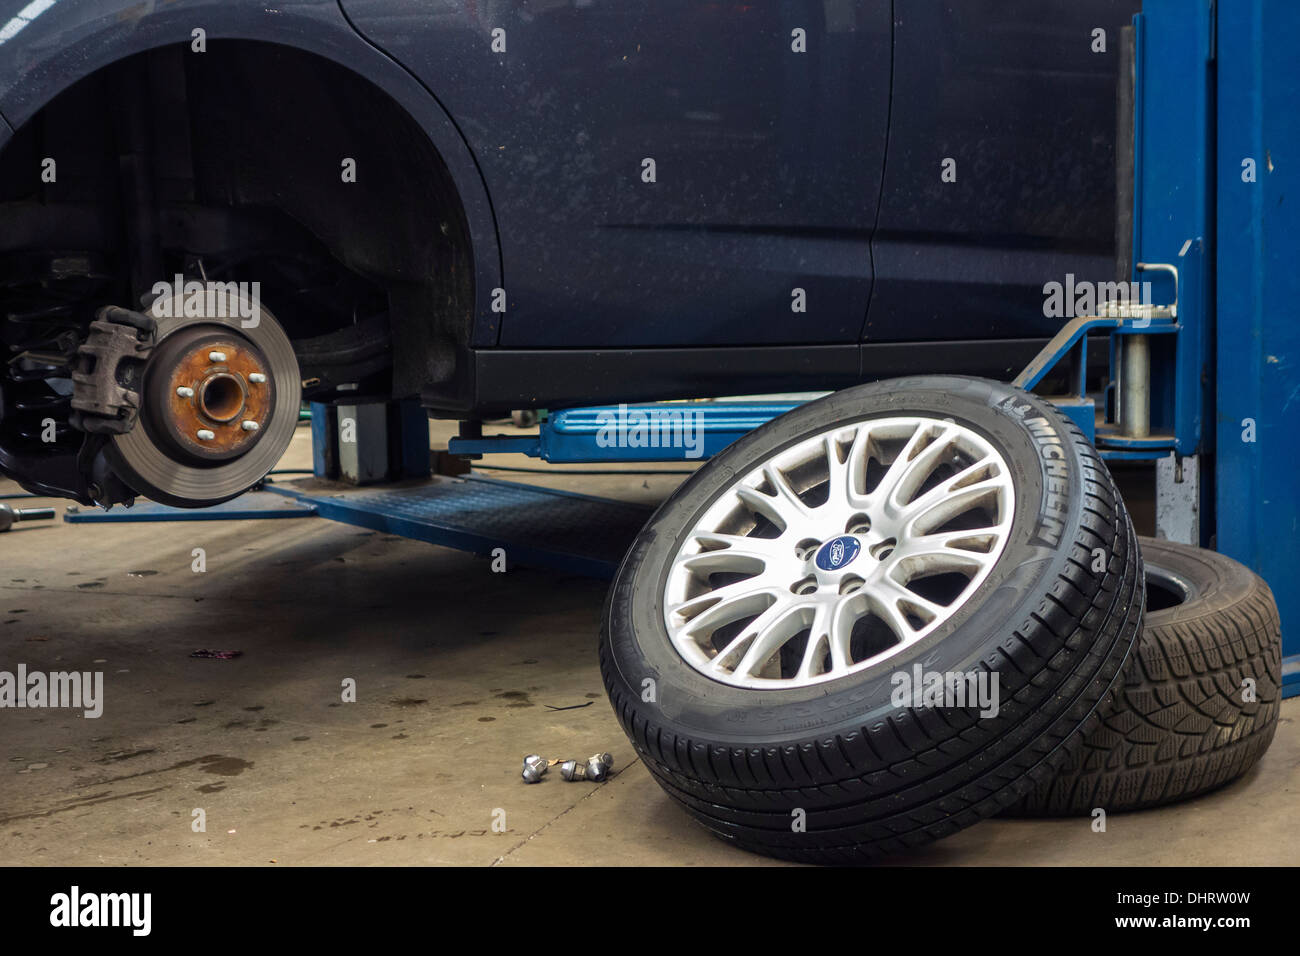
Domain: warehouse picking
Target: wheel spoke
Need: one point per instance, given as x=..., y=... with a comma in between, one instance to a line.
x=773, y=508
x=937, y=553
x=848, y=478
x=713, y=562
x=791, y=503
x=924, y=515
x=711, y=610
x=842, y=619
x=773, y=628
x=761, y=549
x=814, y=651
x=914, y=464
x=887, y=599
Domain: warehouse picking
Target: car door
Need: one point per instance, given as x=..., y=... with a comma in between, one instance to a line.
x=1001, y=168
x=682, y=172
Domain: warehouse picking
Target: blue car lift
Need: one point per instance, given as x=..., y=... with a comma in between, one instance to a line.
x=1205, y=374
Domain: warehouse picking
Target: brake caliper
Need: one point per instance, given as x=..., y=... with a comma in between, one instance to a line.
x=109, y=371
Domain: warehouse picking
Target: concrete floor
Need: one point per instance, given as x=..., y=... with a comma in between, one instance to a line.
x=457, y=669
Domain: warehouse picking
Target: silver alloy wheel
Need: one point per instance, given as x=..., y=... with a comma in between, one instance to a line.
x=838, y=552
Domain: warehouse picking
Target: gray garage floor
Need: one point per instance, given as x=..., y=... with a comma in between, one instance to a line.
x=455, y=667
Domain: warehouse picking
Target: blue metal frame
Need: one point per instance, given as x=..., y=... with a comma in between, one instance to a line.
x=1173, y=165
x=607, y=433
x=1257, y=483
x=251, y=504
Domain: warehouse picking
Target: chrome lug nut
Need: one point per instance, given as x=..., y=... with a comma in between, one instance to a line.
x=596, y=768
x=599, y=766
x=535, y=767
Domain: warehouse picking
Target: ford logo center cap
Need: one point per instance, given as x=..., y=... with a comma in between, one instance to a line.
x=838, y=552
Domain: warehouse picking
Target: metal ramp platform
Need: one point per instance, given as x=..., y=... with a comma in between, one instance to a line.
x=251, y=504
x=538, y=527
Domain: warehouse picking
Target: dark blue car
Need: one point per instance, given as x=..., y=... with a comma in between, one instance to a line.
x=209, y=210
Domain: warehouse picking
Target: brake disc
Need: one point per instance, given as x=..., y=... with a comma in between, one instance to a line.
x=219, y=403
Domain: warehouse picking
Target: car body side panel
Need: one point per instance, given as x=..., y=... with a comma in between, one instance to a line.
x=1013, y=92
x=65, y=41
x=768, y=161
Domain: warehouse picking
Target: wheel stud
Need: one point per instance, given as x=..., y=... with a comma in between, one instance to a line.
x=257, y=378
x=806, y=548
x=216, y=356
x=185, y=392
x=248, y=426
x=804, y=586
x=205, y=435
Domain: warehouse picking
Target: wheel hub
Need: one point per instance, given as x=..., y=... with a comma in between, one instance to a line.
x=209, y=394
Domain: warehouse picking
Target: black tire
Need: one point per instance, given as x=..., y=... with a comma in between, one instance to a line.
x=874, y=779
x=1179, y=725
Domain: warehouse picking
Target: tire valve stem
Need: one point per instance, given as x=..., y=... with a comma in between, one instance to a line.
x=206, y=435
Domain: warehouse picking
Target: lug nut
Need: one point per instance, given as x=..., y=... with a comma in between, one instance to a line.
x=206, y=435
x=257, y=378
x=535, y=767
x=596, y=768
x=599, y=766
x=216, y=356
x=185, y=392
x=248, y=426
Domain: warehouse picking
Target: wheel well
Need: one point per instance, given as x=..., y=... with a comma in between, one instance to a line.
x=232, y=162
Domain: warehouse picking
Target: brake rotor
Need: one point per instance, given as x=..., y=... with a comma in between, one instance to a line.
x=218, y=407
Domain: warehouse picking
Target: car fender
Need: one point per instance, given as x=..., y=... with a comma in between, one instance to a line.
x=47, y=45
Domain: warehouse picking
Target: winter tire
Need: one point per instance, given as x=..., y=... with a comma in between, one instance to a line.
x=1199, y=700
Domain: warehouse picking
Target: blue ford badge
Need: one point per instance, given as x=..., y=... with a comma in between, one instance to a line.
x=838, y=552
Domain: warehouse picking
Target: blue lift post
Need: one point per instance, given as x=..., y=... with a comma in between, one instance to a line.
x=1257, y=475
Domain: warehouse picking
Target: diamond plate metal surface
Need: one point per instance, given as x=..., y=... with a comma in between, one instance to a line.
x=536, y=526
